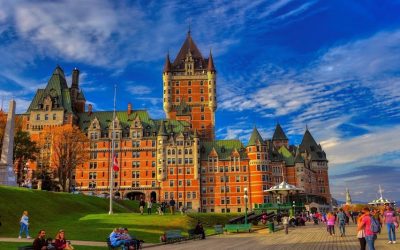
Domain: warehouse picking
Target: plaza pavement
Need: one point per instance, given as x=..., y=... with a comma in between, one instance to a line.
x=309, y=237
x=303, y=238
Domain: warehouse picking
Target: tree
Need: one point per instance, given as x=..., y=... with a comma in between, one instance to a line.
x=24, y=150
x=68, y=150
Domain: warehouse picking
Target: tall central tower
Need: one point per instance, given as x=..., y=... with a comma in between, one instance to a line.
x=190, y=89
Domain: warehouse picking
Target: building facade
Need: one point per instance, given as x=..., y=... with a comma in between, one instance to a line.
x=178, y=157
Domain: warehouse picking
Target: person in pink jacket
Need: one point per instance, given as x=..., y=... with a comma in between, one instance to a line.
x=330, y=222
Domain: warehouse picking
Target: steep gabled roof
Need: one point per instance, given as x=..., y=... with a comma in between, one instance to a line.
x=223, y=148
x=81, y=96
x=279, y=134
x=255, y=138
x=188, y=45
x=57, y=89
x=309, y=145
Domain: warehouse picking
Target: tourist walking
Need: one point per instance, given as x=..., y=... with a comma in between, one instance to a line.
x=389, y=218
x=330, y=222
x=341, y=217
x=366, y=224
x=149, y=206
x=361, y=232
x=141, y=205
x=285, y=222
x=172, y=205
x=24, y=225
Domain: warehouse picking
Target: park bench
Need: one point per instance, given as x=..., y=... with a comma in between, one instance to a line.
x=237, y=227
x=192, y=234
x=30, y=247
x=110, y=247
x=218, y=229
x=174, y=236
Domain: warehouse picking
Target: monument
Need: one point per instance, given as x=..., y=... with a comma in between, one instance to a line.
x=348, y=197
x=7, y=175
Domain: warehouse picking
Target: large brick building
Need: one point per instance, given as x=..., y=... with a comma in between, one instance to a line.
x=179, y=156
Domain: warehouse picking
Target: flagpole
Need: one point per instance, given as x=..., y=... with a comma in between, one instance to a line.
x=112, y=154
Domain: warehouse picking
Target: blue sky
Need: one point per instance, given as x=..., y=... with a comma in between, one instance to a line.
x=331, y=65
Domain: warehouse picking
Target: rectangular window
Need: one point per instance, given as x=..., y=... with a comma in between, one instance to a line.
x=171, y=183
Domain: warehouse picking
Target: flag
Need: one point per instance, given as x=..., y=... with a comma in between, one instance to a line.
x=115, y=164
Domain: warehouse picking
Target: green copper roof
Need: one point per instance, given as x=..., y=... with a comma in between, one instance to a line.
x=57, y=89
x=279, y=134
x=224, y=148
x=287, y=156
x=148, y=124
x=255, y=138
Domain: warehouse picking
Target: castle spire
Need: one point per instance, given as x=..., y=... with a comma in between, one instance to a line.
x=167, y=65
x=211, y=66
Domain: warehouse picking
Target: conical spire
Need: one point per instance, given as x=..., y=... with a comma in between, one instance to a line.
x=163, y=130
x=279, y=134
x=167, y=65
x=211, y=66
x=188, y=45
x=255, y=138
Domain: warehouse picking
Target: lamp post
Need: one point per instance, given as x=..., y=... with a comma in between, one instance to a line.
x=245, y=203
x=294, y=208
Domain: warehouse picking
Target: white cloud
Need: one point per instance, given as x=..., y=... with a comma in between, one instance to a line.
x=365, y=148
x=138, y=90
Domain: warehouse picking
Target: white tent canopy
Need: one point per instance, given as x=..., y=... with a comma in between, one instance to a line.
x=284, y=188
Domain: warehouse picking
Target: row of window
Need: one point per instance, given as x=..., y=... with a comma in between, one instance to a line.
x=180, y=183
x=180, y=161
x=223, y=169
x=171, y=195
x=46, y=117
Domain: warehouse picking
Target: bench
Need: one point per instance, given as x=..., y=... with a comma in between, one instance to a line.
x=218, y=229
x=174, y=236
x=30, y=247
x=237, y=227
x=110, y=247
x=192, y=234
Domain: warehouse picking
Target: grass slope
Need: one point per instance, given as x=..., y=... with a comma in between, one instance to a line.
x=84, y=217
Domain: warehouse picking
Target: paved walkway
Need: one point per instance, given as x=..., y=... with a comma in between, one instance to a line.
x=306, y=238
x=309, y=237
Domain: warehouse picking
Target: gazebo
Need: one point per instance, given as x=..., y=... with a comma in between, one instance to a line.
x=381, y=200
x=285, y=189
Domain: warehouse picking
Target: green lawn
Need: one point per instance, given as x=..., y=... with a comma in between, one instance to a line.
x=86, y=217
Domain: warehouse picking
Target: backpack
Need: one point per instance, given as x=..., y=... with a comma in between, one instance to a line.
x=375, y=226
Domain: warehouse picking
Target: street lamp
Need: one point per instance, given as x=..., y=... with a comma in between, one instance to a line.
x=245, y=203
x=294, y=208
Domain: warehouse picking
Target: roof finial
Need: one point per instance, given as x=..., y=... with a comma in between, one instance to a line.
x=190, y=24
x=306, y=127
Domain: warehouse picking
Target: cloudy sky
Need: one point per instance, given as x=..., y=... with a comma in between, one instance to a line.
x=331, y=65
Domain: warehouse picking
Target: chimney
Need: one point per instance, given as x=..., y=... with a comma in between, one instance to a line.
x=129, y=108
x=90, y=109
x=75, y=78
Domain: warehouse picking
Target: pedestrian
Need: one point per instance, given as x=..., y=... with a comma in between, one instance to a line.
x=285, y=222
x=141, y=205
x=330, y=222
x=365, y=224
x=172, y=205
x=200, y=230
x=149, y=206
x=24, y=225
x=341, y=217
x=361, y=232
x=389, y=218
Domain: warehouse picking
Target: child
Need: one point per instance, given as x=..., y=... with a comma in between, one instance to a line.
x=24, y=223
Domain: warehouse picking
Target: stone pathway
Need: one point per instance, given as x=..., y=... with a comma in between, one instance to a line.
x=310, y=237
x=306, y=238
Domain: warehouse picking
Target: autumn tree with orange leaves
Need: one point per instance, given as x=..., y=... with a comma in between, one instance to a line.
x=66, y=148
